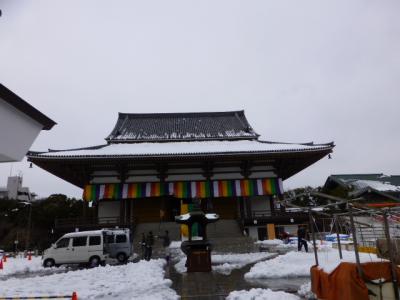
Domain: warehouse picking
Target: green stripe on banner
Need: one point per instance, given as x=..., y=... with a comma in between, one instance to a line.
x=93, y=195
x=274, y=182
x=208, y=190
x=251, y=187
x=230, y=190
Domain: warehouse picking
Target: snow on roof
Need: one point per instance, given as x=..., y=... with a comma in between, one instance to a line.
x=182, y=148
x=376, y=185
x=82, y=233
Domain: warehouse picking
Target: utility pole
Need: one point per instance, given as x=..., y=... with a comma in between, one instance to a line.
x=28, y=236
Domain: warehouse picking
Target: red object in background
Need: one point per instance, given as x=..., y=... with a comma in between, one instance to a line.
x=29, y=256
x=1, y=264
x=5, y=258
x=74, y=296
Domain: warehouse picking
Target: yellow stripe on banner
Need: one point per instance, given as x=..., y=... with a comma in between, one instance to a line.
x=184, y=228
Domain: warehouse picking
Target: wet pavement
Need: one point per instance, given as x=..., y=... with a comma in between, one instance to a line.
x=217, y=286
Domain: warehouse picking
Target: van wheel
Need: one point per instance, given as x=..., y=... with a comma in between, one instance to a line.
x=121, y=257
x=94, y=261
x=48, y=263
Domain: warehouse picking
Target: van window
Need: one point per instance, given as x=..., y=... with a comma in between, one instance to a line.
x=94, y=240
x=121, y=238
x=110, y=239
x=79, y=241
x=63, y=243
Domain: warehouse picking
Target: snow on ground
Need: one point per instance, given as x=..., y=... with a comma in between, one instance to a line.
x=142, y=280
x=261, y=294
x=226, y=263
x=305, y=291
x=295, y=263
x=270, y=242
x=21, y=265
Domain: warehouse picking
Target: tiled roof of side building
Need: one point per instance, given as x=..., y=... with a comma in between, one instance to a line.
x=166, y=127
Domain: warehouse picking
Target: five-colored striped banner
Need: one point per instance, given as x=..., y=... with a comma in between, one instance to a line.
x=185, y=189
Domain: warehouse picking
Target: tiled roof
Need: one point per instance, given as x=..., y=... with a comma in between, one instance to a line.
x=182, y=148
x=164, y=127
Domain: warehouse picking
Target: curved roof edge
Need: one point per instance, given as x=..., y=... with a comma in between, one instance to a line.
x=24, y=107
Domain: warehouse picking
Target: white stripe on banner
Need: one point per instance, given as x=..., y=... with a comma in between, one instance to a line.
x=215, y=188
x=148, y=189
x=101, y=192
x=280, y=184
x=125, y=191
x=171, y=188
x=238, y=189
x=259, y=187
x=193, y=189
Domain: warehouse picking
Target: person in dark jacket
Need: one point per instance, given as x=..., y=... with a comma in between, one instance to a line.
x=149, y=245
x=143, y=246
x=301, y=238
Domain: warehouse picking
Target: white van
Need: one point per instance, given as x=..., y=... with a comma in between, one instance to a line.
x=84, y=247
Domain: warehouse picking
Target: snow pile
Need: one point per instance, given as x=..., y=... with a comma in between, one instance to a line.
x=226, y=263
x=19, y=265
x=261, y=294
x=270, y=242
x=305, y=291
x=175, y=244
x=142, y=280
x=295, y=263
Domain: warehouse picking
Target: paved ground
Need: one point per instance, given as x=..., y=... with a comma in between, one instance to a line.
x=213, y=285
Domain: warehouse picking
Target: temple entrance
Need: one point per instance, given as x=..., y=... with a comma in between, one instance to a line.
x=155, y=209
x=226, y=207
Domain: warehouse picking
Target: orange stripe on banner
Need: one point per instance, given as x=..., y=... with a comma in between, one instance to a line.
x=132, y=190
x=198, y=189
x=225, y=188
x=247, y=187
x=106, y=190
x=179, y=189
x=153, y=189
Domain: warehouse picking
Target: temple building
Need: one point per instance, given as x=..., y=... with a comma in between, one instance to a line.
x=156, y=166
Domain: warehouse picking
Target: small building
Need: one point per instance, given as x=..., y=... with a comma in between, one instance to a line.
x=373, y=189
x=156, y=166
x=20, y=124
x=15, y=191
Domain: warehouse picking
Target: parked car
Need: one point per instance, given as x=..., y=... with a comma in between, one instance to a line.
x=84, y=247
x=118, y=244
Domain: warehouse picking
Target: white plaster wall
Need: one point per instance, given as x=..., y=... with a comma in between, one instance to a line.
x=17, y=133
x=108, y=209
x=253, y=233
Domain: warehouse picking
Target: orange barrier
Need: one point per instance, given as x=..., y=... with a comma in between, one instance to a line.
x=345, y=283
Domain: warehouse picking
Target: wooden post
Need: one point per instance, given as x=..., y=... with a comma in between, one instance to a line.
x=313, y=236
x=391, y=257
x=353, y=231
x=335, y=220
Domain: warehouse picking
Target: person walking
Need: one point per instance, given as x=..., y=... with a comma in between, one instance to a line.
x=149, y=245
x=301, y=238
x=143, y=246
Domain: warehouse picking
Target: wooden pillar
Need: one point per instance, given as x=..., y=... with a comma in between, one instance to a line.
x=271, y=231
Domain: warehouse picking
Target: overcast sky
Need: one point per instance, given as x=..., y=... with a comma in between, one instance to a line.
x=302, y=70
